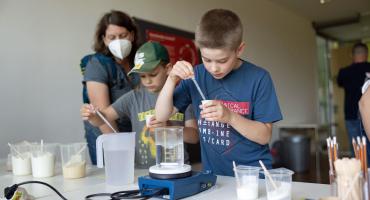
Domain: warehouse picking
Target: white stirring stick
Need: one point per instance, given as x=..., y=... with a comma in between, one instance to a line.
x=74, y=156
x=236, y=174
x=81, y=150
x=15, y=150
x=198, y=88
x=42, y=146
x=105, y=121
x=267, y=173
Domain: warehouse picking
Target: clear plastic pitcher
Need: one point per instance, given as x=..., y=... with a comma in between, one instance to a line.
x=170, y=147
x=119, y=157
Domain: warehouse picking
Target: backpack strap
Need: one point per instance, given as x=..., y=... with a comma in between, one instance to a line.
x=107, y=62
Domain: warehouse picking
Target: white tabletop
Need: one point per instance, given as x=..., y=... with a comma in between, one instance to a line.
x=94, y=183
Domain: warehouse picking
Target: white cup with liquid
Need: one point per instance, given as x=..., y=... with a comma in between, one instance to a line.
x=43, y=160
x=21, y=159
x=282, y=178
x=247, y=182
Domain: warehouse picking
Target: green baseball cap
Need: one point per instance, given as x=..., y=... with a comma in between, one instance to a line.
x=148, y=56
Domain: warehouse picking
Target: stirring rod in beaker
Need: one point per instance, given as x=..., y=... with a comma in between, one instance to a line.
x=105, y=120
x=198, y=88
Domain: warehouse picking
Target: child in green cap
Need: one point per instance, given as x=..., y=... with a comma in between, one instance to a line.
x=153, y=66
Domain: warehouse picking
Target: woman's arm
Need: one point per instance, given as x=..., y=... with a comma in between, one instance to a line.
x=99, y=97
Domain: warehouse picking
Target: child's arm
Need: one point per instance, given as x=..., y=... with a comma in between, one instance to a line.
x=88, y=113
x=191, y=131
x=164, y=107
x=253, y=130
x=364, y=105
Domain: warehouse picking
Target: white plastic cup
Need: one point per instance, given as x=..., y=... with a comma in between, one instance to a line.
x=282, y=178
x=148, y=119
x=247, y=182
x=43, y=160
x=20, y=159
x=73, y=160
x=204, y=102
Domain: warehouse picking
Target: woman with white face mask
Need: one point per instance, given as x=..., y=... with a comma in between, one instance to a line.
x=105, y=72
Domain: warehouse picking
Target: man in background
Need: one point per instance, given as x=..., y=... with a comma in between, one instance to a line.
x=352, y=78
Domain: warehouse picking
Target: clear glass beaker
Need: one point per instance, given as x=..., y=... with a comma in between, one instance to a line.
x=170, y=146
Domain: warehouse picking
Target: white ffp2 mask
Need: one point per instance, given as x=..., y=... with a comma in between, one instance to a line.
x=120, y=48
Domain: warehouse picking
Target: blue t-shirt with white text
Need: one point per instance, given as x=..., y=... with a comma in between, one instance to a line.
x=248, y=91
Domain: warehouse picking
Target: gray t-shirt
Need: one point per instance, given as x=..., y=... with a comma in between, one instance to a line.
x=136, y=104
x=111, y=73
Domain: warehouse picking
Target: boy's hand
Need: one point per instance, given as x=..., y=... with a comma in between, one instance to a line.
x=88, y=113
x=215, y=111
x=181, y=70
x=155, y=124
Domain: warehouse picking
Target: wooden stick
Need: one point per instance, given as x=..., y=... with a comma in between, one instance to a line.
x=355, y=147
x=267, y=173
x=329, y=155
x=335, y=151
x=365, y=157
x=359, y=143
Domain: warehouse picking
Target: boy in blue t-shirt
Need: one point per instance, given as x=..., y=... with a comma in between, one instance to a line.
x=236, y=125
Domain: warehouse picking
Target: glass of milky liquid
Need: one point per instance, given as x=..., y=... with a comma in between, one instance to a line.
x=43, y=160
x=21, y=159
x=282, y=190
x=73, y=160
x=170, y=147
x=247, y=182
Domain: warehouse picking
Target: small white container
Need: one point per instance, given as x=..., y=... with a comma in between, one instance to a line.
x=247, y=182
x=283, y=179
x=21, y=165
x=73, y=160
x=43, y=160
x=204, y=102
x=21, y=159
x=148, y=119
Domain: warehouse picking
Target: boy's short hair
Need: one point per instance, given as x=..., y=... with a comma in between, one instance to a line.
x=359, y=48
x=219, y=28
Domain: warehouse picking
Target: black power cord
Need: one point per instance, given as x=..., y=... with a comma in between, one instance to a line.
x=129, y=194
x=9, y=191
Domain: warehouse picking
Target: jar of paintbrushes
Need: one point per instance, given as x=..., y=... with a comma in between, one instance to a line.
x=348, y=177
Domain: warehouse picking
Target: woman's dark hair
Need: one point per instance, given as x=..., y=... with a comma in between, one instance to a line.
x=117, y=18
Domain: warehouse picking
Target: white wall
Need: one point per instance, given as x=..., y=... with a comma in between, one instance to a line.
x=41, y=42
